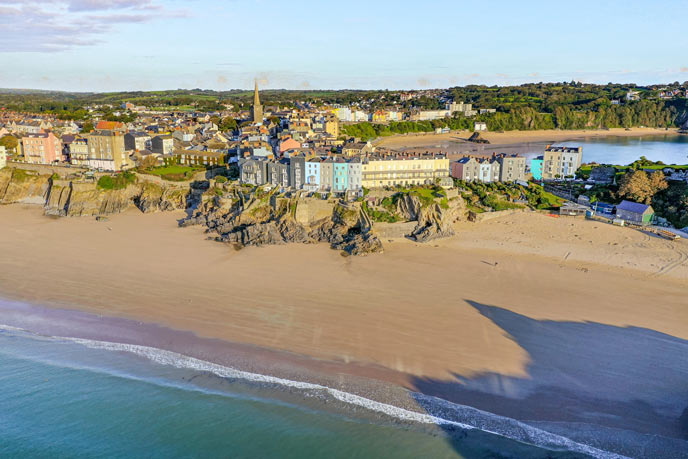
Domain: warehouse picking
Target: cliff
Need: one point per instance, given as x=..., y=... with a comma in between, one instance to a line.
x=240, y=216
x=74, y=198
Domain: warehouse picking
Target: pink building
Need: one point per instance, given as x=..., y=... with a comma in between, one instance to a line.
x=43, y=148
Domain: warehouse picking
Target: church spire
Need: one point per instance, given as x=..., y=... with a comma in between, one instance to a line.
x=257, y=110
x=256, y=99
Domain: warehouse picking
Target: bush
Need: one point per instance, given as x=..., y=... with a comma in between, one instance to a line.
x=220, y=179
x=117, y=182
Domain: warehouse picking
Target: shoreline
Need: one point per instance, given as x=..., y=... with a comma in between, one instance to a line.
x=425, y=318
x=235, y=361
x=513, y=138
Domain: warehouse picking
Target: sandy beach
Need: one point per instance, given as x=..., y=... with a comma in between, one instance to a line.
x=456, y=145
x=514, y=137
x=519, y=315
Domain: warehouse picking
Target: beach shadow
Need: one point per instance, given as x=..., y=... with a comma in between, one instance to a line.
x=600, y=378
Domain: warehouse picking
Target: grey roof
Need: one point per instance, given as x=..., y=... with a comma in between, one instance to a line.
x=631, y=206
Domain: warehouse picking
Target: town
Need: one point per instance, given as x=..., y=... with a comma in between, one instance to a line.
x=303, y=148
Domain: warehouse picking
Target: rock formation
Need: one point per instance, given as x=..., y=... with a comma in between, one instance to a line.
x=74, y=198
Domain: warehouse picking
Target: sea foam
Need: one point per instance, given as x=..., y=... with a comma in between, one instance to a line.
x=463, y=417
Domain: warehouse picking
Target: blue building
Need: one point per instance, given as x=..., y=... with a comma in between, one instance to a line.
x=313, y=172
x=536, y=167
x=340, y=174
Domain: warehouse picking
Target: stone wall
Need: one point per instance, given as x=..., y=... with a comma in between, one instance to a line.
x=47, y=169
x=309, y=210
x=502, y=213
x=394, y=230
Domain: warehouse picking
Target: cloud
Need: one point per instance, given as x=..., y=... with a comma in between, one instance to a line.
x=57, y=25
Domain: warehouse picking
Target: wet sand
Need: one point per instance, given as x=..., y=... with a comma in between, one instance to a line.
x=526, y=316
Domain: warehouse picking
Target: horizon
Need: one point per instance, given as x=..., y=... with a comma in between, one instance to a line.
x=275, y=89
x=129, y=45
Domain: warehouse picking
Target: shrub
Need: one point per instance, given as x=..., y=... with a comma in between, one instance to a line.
x=117, y=182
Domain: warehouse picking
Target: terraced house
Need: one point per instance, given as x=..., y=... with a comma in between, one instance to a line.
x=404, y=170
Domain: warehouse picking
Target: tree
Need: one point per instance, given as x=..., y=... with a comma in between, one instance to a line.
x=87, y=127
x=9, y=142
x=227, y=124
x=638, y=186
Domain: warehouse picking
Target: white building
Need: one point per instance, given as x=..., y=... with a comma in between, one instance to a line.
x=3, y=157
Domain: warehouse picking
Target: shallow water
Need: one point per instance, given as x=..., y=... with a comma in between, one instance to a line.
x=670, y=149
x=60, y=398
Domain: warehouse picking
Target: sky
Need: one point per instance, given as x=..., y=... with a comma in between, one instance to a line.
x=115, y=45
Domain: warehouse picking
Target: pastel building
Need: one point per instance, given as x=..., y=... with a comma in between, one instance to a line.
x=466, y=169
x=41, y=148
x=313, y=174
x=327, y=174
x=403, y=170
x=340, y=173
x=106, y=151
x=3, y=157
x=536, y=167
x=561, y=162
x=354, y=176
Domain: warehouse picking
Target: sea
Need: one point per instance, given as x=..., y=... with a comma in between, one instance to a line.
x=670, y=149
x=63, y=397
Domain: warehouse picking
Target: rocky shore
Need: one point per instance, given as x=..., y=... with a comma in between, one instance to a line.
x=243, y=215
x=253, y=216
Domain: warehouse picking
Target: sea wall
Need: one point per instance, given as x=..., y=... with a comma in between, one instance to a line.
x=501, y=213
x=394, y=230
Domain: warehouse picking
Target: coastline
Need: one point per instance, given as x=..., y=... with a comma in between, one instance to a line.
x=443, y=332
x=513, y=138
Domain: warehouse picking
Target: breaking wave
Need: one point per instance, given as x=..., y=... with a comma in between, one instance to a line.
x=459, y=416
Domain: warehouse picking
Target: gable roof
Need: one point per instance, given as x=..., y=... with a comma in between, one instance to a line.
x=634, y=207
x=109, y=125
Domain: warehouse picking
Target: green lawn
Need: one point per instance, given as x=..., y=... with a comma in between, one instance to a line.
x=174, y=173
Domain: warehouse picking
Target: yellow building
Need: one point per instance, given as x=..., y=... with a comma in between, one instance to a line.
x=403, y=170
x=106, y=151
x=332, y=126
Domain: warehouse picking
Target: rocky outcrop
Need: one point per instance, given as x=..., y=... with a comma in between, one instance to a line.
x=477, y=138
x=74, y=198
x=20, y=186
x=254, y=220
x=408, y=207
x=437, y=220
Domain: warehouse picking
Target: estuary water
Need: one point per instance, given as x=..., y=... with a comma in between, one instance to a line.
x=62, y=397
x=670, y=149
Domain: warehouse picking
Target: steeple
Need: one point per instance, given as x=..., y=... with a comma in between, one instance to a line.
x=257, y=109
x=256, y=99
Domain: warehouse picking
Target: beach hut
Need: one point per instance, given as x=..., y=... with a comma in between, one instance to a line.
x=634, y=212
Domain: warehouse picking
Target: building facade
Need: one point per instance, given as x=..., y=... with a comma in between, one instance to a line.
x=41, y=148
x=561, y=162
x=379, y=172
x=511, y=167
x=536, y=167
x=106, y=151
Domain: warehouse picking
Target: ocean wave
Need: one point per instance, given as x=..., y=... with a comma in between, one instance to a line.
x=460, y=416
